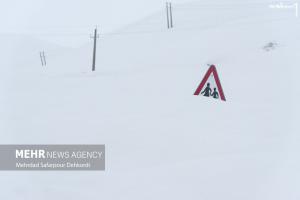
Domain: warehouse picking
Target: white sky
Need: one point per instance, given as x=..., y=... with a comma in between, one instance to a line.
x=72, y=16
x=52, y=19
x=76, y=19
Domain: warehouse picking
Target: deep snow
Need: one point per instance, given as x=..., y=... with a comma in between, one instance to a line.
x=162, y=142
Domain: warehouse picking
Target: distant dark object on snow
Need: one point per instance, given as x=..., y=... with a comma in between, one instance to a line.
x=270, y=46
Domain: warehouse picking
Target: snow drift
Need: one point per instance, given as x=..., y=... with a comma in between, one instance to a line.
x=162, y=142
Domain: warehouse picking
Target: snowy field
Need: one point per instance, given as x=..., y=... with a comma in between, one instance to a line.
x=162, y=142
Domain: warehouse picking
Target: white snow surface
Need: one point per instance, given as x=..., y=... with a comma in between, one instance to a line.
x=162, y=142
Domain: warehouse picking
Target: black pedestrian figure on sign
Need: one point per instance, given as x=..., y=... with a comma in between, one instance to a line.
x=215, y=94
x=207, y=90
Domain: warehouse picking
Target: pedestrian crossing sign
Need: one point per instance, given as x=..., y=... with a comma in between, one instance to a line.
x=210, y=85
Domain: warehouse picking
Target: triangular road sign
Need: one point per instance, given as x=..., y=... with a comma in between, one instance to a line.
x=207, y=91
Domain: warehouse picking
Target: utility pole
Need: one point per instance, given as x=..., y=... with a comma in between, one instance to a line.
x=43, y=58
x=169, y=11
x=94, y=51
x=168, y=20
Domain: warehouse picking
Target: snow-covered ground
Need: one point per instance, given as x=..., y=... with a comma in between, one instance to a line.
x=162, y=142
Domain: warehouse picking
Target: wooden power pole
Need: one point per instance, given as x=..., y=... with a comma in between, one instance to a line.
x=95, y=47
x=43, y=58
x=169, y=12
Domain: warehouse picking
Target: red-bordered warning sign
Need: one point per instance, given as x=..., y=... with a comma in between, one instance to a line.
x=207, y=91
